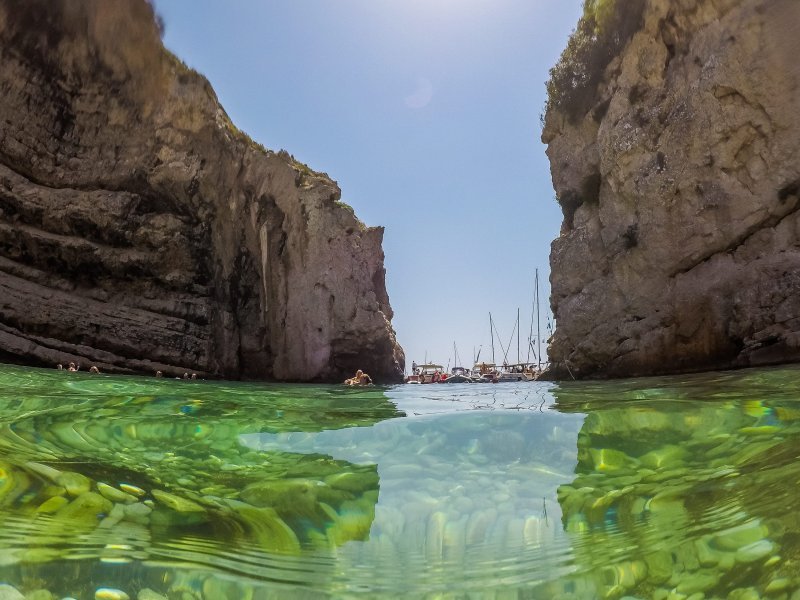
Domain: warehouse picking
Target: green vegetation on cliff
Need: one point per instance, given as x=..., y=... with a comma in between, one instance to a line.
x=603, y=30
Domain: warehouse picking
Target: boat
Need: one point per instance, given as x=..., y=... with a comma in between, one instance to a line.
x=459, y=375
x=484, y=373
x=428, y=373
x=517, y=372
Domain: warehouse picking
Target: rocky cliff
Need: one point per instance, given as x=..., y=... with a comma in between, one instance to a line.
x=140, y=230
x=679, y=181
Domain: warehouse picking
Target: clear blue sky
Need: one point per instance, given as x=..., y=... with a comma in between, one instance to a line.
x=426, y=112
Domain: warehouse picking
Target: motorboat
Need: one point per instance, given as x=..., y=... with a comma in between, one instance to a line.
x=484, y=373
x=517, y=372
x=459, y=375
x=428, y=373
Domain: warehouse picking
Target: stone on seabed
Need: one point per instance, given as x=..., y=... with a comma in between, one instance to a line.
x=177, y=503
x=110, y=594
x=114, y=494
x=148, y=594
x=8, y=592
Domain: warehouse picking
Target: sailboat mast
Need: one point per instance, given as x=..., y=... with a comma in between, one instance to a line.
x=530, y=334
x=538, y=331
x=518, y=328
x=491, y=330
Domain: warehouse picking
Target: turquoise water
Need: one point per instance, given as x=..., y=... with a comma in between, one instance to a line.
x=683, y=487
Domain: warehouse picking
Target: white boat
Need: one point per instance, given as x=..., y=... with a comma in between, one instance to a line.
x=518, y=372
x=459, y=375
x=484, y=372
x=429, y=373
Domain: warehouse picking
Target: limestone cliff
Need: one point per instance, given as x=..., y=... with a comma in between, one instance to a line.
x=679, y=182
x=140, y=230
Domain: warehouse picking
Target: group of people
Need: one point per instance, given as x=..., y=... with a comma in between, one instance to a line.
x=160, y=374
x=360, y=378
x=72, y=368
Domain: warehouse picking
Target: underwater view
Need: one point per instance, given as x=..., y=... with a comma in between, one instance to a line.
x=662, y=488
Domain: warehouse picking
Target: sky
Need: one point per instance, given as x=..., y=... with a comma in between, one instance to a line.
x=427, y=114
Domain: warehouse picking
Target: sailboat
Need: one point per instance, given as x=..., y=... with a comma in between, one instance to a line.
x=524, y=371
x=458, y=374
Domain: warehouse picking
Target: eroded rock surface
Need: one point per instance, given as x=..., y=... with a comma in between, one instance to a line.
x=680, y=248
x=140, y=230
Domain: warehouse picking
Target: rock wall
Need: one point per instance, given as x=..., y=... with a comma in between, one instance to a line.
x=680, y=247
x=140, y=230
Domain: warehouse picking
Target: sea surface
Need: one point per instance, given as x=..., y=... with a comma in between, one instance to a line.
x=663, y=488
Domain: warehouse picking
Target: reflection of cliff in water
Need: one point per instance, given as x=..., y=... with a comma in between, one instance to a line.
x=684, y=489
x=138, y=470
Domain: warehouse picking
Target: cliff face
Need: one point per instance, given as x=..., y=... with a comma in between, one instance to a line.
x=680, y=248
x=140, y=230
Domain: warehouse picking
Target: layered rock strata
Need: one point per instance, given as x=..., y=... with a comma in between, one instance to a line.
x=140, y=230
x=680, y=247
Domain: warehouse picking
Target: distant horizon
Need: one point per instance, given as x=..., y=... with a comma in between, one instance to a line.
x=428, y=117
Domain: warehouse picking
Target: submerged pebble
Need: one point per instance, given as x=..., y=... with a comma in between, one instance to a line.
x=148, y=594
x=132, y=489
x=176, y=502
x=110, y=594
x=8, y=592
x=754, y=552
x=75, y=483
x=114, y=494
